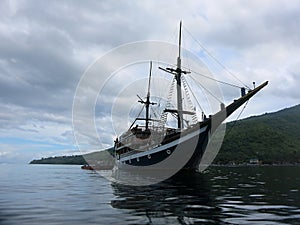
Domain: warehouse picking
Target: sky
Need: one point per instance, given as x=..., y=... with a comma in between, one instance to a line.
x=46, y=46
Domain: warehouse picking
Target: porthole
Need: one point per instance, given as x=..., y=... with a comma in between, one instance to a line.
x=149, y=156
x=129, y=161
x=137, y=159
x=168, y=151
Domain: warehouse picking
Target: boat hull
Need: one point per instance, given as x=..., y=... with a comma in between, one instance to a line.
x=189, y=149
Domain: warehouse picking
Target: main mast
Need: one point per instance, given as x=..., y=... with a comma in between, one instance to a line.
x=178, y=80
x=178, y=73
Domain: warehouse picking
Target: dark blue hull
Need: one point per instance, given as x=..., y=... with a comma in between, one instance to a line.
x=190, y=146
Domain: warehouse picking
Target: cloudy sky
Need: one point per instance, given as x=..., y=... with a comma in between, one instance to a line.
x=45, y=47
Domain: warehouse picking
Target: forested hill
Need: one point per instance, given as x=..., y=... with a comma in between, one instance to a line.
x=76, y=159
x=269, y=138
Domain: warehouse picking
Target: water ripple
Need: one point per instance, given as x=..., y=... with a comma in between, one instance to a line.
x=69, y=195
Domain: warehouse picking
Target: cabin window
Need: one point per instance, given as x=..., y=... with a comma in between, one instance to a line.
x=168, y=151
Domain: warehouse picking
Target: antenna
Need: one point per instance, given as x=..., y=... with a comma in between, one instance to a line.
x=179, y=53
x=149, y=82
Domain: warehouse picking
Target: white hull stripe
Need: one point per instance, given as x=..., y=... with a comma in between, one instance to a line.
x=163, y=147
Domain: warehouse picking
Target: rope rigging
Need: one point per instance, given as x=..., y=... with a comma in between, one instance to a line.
x=215, y=59
x=193, y=94
x=168, y=104
x=186, y=87
x=208, y=91
x=137, y=116
x=235, y=121
x=189, y=101
x=208, y=77
x=211, y=78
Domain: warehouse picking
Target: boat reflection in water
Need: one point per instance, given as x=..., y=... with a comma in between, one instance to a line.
x=182, y=199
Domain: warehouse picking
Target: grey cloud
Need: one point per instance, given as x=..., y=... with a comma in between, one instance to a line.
x=45, y=46
x=241, y=24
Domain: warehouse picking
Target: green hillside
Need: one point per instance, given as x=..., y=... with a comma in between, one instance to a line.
x=68, y=160
x=270, y=138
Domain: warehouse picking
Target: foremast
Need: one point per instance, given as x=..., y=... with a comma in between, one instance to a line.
x=147, y=103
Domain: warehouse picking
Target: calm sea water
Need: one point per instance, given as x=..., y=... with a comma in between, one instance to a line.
x=43, y=194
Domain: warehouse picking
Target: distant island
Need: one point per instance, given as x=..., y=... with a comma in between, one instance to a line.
x=63, y=160
x=272, y=138
x=76, y=159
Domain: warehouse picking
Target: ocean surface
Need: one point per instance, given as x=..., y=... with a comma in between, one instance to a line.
x=52, y=194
